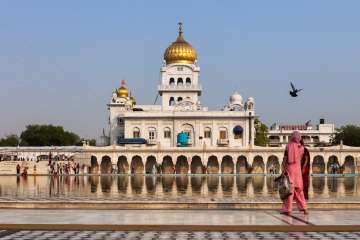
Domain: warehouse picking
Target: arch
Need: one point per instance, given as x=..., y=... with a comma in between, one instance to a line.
x=182, y=165
x=171, y=101
x=94, y=182
x=242, y=183
x=167, y=165
x=333, y=165
x=258, y=184
x=150, y=165
x=189, y=130
x=213, y=184
x=349, y=184
x=150, y=184
x=122, y=183
x=318, y=183
x=136, y=183
x=212, y=165
x=227, y=164
x=94, y=165
x=318, y=165
x=196, y=184
x=227, y=184
x=136, y=132
x=122, y=165
x=137, y=165
x=106, y=182
x=182, y=184
x=172, y=81
x=242, y=165
x=167, y=184
x=188, y=81
x=196, y=165
x=180, y=81
x=273, y=165
x=258, y=165
x=349, y=165
x=106, y=165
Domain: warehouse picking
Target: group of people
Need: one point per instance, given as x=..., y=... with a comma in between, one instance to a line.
x=296, y=165
x=58, y=168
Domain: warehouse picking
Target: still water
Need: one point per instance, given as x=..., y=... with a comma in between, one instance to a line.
x=169, y=188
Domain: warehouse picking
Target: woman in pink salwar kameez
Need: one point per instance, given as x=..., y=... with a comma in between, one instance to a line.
x=292, y=167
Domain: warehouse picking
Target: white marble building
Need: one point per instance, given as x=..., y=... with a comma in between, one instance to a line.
x=180, y=109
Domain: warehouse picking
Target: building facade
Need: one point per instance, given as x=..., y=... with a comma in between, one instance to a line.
x=181, y=111
x=320, y=135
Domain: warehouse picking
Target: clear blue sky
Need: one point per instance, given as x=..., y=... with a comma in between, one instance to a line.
x=61, y=60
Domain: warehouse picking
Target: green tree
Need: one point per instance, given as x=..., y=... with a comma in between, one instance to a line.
x=348, y=134
x=261, y=133
x=11, y=140
x=47, y=135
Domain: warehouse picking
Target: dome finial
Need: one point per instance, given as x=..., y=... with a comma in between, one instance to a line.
x=180, y=28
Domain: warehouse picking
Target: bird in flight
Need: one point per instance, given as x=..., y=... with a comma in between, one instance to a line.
x=294, y=91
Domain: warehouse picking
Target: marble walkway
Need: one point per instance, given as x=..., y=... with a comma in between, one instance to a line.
x=179, y=220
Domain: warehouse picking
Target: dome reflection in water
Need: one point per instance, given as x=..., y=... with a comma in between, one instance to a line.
x=170, y=187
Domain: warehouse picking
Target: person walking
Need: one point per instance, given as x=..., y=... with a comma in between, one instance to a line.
x=292, y=167
x=305, y=170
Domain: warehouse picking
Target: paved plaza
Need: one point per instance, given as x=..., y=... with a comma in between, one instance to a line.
x=150, y=235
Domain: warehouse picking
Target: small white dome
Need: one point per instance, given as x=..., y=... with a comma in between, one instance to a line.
x=236, y=98
x=250, y=99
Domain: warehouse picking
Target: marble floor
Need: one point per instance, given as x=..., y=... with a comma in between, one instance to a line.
x=147, y=235
x=177, y=217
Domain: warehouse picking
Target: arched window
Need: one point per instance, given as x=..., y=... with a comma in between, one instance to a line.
x=223, y=134
x=167, y=132
x=207, y=132
x=136, y=132
x=188, y=81
x=238, y=131
x=152, y=133
x=180, y=81
x=179, y=99
x=172, y=81
x=171, y=101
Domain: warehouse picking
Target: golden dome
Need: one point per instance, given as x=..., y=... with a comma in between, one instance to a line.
x=180, y=51
x=122, y=91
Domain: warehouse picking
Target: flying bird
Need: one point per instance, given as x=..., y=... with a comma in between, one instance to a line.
x=294, y=91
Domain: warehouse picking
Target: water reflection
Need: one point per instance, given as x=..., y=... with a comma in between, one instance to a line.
x=318, y=184
x=221, y=187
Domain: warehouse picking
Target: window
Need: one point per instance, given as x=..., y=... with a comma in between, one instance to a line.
x=238, y=132
x=180, y=81
x=223, y=133
x=180, y=99
x=180, y=68
x=207, y=132
x=171, y=101
x=167, y=133
x=136, y=132
x=188, y=81
x=120, y=121
x=152, y=133
x=172, y=81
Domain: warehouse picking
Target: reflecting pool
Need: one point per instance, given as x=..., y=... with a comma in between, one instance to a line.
x=220, y=188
